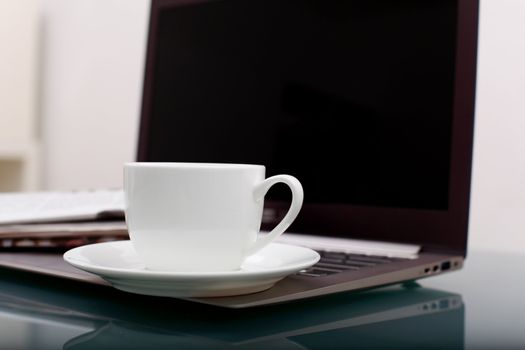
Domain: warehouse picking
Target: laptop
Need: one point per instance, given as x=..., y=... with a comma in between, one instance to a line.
x=369, y=103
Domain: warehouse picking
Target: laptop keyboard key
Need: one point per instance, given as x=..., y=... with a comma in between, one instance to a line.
x=359, y=263
x=340, y=267
x=333, y=255
x=332, y=260
x=370, y=259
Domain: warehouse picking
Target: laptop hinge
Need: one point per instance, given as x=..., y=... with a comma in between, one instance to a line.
x=355, y=246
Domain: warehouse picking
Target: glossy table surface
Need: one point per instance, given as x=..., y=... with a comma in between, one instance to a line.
x=481, y=306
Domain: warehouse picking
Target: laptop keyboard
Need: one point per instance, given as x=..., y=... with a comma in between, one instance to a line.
x=336, y=262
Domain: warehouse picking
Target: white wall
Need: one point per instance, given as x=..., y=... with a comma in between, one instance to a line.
x=93, y=61
x=498, y=192
x=18, y=93
x=93, y=58
x=18, y=25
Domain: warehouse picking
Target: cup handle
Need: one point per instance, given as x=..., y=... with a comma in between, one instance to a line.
x=297, y=201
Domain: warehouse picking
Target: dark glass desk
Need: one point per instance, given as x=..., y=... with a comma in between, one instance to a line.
x=481, y=306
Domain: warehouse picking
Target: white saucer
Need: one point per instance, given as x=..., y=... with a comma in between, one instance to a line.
x=118, y=263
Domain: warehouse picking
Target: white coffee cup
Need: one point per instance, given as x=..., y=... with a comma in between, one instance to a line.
x=200, y=216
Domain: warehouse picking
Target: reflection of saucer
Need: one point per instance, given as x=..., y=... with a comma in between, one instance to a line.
x=118, y=263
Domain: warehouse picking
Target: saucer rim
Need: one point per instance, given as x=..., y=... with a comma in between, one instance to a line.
x=69, y=257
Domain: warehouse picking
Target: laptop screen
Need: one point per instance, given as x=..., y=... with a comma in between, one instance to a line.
x=368, y=103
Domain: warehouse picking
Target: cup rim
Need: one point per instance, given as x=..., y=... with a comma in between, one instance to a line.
x=191, y=165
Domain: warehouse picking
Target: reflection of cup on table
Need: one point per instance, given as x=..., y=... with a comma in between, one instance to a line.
x=200, y=216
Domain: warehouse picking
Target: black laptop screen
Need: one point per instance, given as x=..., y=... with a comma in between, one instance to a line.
x=354, y=98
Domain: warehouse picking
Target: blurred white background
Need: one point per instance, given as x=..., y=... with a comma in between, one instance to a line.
x=82, y=65
x=91, y=84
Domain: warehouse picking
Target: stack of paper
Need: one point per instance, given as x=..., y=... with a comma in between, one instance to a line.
x=60, y=219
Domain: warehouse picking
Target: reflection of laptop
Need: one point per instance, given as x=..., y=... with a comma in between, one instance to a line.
x=85, y=319
x=404, y=321
x=369, y=103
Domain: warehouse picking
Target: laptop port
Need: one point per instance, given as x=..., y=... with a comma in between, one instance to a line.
x=445, y=266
